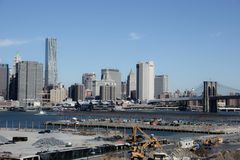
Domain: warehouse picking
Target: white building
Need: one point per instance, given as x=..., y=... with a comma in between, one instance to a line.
x=145, y=80
x=186, y=143
x=160, y=85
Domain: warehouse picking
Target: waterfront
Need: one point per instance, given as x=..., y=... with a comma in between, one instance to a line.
x=85, y=129
x=226, y=117
x=32, y=120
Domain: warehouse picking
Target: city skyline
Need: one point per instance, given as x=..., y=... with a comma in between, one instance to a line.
x=186, y=40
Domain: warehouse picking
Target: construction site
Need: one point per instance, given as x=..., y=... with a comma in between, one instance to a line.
x=119, y=140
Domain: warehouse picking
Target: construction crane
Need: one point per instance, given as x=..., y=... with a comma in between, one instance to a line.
x=138, y=149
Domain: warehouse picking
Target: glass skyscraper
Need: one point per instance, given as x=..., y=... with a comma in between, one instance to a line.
x=51, y=62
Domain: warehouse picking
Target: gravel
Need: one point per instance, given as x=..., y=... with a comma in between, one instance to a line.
x=226, y=155
x=3, y=139
x=47, y=142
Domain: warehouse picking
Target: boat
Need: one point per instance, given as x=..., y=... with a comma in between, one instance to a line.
x=17, y=109
x=41, y=112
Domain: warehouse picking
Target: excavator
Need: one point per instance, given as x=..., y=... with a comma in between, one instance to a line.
x=138, y=149
x=212, y=141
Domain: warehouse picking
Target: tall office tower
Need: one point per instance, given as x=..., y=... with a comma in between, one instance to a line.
x=160, y=85
x=87, y=80
x=13, y=80
x=124, y=90
x=4, y=80
x=51, y=62
x=107, y=92
x=115, y=75
x=131, y=84
x=145, y=80
x=17, y=59
x=76, y=92
x=29, y=76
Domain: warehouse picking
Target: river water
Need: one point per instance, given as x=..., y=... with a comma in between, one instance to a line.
x=32, y=120
x=27, y=118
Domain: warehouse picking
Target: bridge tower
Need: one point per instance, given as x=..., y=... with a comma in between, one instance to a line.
x=209, y=89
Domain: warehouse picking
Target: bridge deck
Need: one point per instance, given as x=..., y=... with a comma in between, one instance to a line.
x=198, y=98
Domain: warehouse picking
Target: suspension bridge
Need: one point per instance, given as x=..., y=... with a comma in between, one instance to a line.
x=209, y=94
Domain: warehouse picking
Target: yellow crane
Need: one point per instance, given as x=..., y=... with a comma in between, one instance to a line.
x=138, y=149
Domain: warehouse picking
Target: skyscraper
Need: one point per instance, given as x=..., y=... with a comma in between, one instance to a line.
x=51, y=62
x=131, y=84
x=124, y=90
x=115, y=75
x=29, y=81
x=13, y=88
x=17, y=59
x=145, y=80
x=87, y=80
x=160, y=85
x=4, y=80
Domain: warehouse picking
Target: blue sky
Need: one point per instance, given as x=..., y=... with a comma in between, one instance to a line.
x=189, y=40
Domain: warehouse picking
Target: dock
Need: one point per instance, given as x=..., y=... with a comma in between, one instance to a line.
x=129, y=125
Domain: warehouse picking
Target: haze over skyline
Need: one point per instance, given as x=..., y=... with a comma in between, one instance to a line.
x=191, y=41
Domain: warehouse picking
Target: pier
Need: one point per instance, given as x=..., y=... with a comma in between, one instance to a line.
x=129, y=125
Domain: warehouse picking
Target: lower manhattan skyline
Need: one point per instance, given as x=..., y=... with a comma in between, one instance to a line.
x=119, y=79
x=189, y=42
